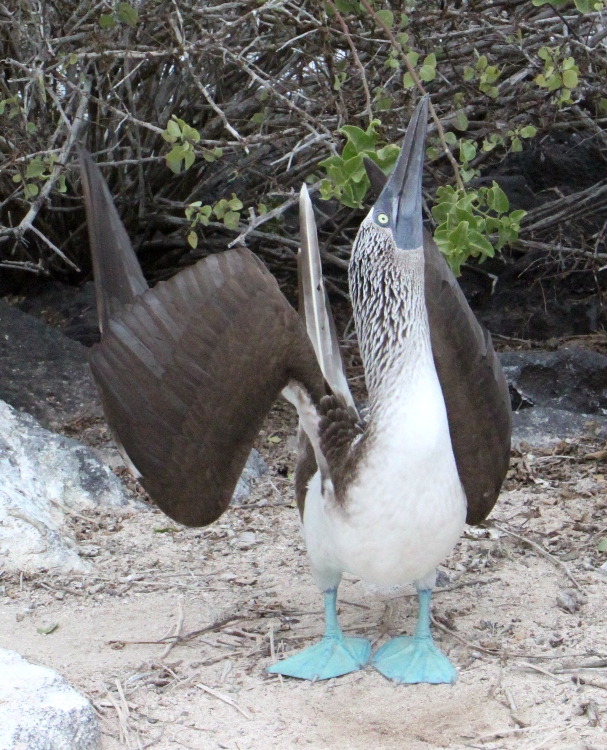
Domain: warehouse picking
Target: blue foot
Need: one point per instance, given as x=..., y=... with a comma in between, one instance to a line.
x=331, y=657
x=412, y=660
x=415, y=659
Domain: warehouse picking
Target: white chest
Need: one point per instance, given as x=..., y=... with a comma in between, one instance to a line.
x=406, y=508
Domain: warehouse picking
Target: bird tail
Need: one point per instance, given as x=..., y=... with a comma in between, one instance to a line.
x=314, y=304
x=118, y=276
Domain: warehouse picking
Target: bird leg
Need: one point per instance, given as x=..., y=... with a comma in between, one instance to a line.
x=333, y=656
x=415, y=659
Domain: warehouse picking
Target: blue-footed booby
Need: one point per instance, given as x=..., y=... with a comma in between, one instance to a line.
x=189, y=369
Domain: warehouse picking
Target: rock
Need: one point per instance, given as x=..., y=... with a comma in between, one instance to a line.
x=556, y=395
x=571, y=379
x=42, y=475
x=543, y=428
x=569, y=600
x=254, y=469
x=40, y=711
x=43, y=372
x=71, y=309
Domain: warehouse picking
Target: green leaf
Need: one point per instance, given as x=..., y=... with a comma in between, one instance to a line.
x=408, y=82
x=570, y=79
x=412, y=57
x=467, y=151
x=258, y=118
x=450, y=138
x=430, y=60
x=72, y=59
x=231, y=219
x=262, y=209
x=62, y=186
x=173, y=129
x=460, y=121
x=190, y=133
x=31, y=127
x=34, y=168
x=106, y=21
x=234, y=204
x=602, y=545
x=516, y=145
x=528, y=131
x=467, y=174
x=479, y=245
x=346, y=6
x=427, y=73
x=544, y=53
x=468, y=73
x=386, y=17
x=192, y=239
x=497, y=200
x=127, y=14
x=48, y=629
x=166, y=530
x=188, y=158
x=459, y=236
x=17, y=178
x=218, y=152
x=361, y=140
x=220, y=208
x=481, y=63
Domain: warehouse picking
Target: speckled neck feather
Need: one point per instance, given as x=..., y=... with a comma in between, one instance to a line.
x=387, y=290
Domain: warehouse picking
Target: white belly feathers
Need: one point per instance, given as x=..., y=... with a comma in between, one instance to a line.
x=406, y=508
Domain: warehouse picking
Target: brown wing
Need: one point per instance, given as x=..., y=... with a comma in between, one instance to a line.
x=118, y=276
x=473, y=384
x=189, y=369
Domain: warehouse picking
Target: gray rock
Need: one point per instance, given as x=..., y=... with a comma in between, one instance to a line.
x=254, y=469
x=43, y=475
x=40, y=711
x=570, y=379
x=43, y=372
x=542, y=428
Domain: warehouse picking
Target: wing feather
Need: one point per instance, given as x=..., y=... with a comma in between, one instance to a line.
x=317, y=312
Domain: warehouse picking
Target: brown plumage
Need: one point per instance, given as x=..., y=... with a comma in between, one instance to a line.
x=173, y=359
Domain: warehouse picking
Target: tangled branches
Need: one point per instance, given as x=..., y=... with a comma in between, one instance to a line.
x=267, y=85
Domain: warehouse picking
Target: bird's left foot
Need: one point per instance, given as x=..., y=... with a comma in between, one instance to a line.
x=411, y=660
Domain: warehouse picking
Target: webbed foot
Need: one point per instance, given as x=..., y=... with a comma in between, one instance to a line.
x=331, y=657
x=413, y=659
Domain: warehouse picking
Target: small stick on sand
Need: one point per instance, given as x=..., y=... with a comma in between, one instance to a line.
x=224, y=698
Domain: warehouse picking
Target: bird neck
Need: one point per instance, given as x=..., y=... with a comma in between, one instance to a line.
x=387, y=290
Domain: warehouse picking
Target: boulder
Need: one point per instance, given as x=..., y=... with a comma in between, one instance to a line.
x=544, y=427
x=40, y=711
x=43, y=372
x=43, y=476
x=570, y=379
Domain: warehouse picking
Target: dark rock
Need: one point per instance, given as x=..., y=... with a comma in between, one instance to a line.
x=43, y=372
x=543, y=427
x=71, y=309
x=570, y=379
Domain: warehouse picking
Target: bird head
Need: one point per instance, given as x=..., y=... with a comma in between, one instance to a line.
x=399, y=206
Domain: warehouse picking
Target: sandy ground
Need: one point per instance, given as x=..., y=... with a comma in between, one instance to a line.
x=528, y=639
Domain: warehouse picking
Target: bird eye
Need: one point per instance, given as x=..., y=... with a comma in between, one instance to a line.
x=382, y=218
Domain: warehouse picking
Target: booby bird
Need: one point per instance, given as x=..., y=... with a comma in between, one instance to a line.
x=189, y=369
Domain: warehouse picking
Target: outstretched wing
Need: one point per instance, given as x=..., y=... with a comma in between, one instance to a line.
x=473, y=384
x=315, y=307
x=189, y=369
x=118, y=276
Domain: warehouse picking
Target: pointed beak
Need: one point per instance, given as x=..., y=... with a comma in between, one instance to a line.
x=401, y=198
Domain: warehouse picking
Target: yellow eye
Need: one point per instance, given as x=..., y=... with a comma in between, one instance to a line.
x=382, y=219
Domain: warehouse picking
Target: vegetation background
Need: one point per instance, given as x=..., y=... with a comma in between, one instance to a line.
x=205, y=118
